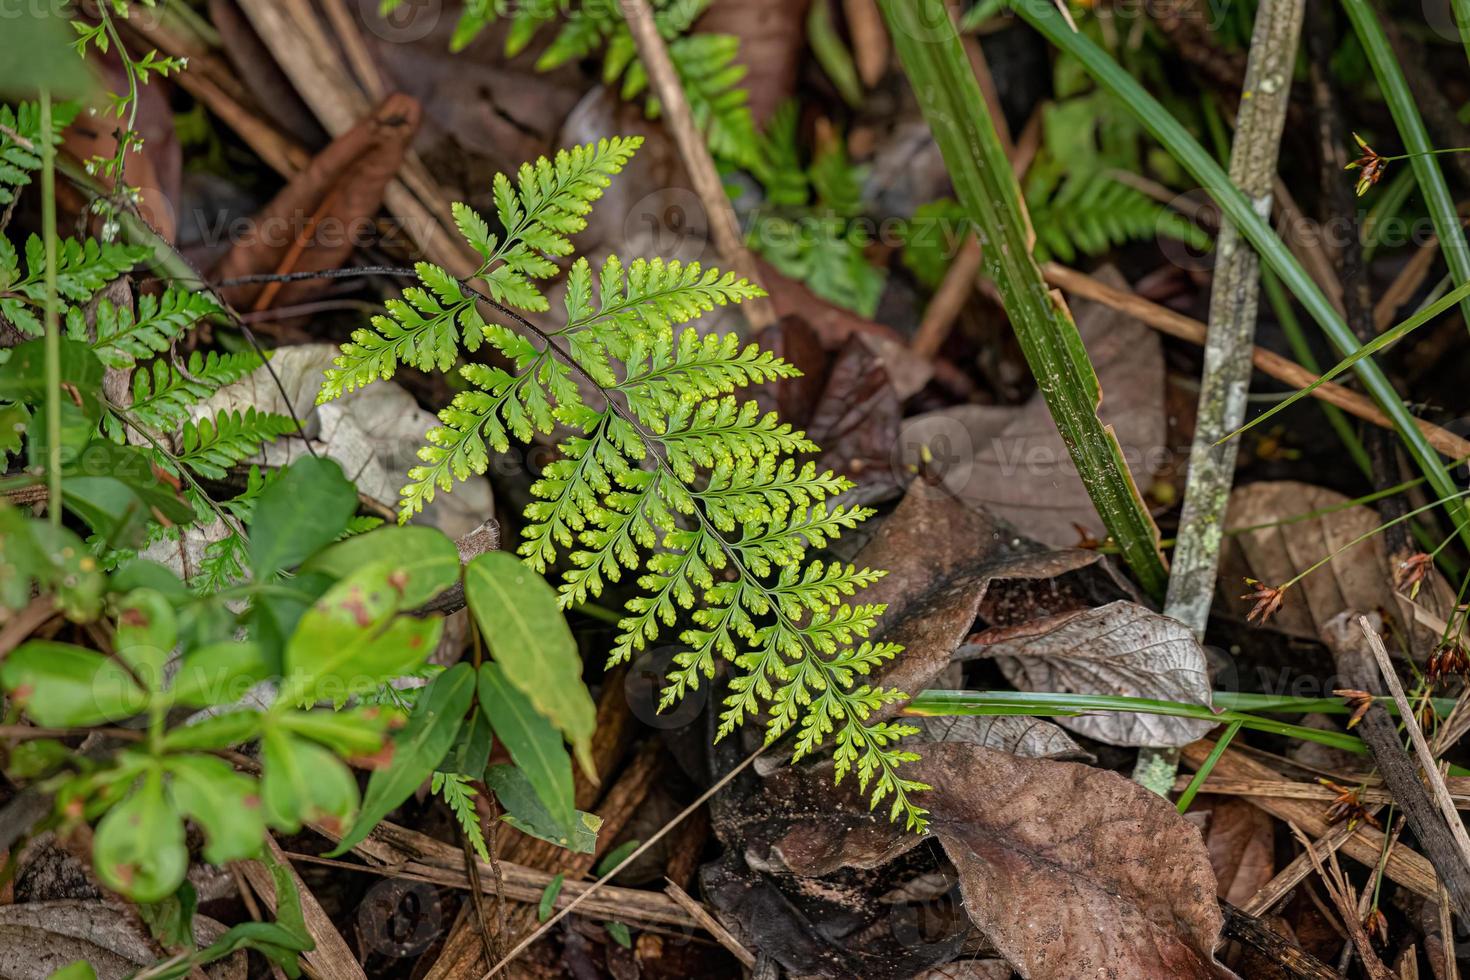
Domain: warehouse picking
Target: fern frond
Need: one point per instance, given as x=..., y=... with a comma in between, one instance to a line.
x=455, y=790
x=82, y=268
x=211, y=446
x=164, y=391
x=125, y=336
x=20, y=143
x=675, y=479
x=1093, y=212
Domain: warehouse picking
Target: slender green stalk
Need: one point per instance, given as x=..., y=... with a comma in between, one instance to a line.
x=942, y=78
x=1043, y=16
x=1296, y=339
x=1203, y=773
x=1419, y=149
x=1462, y=21
x=53, y=325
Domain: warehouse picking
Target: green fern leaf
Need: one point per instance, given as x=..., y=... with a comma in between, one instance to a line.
x=20, y=143
x=82, y=268
x=211, y=446
x=164, y=391
x=124, y=336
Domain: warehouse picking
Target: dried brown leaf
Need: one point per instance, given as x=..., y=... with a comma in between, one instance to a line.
x=1012, y=459
x=38, y=938
x=1241, y=843
x=1120, y=648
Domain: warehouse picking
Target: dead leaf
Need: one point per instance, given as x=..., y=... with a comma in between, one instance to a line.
x=857, y=421
x=1030, y=738
x=1012, y=458
x=1241, y=841
x=1120, y=648
x=1069, y=871
x=38, y=938
x=1358, y=579
x=794, y=341
x=943, y=557
x=326, y=212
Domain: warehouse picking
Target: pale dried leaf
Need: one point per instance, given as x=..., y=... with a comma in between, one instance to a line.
x=1013, y=460
x=38, y=938
x=1241, y=842
x=1030, y=738
x=1358, y=579
x=1121, y=648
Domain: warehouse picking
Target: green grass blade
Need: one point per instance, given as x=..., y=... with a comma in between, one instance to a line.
x=1416, y=140
x=1221, y=744
x=1373, y=346
x=1043, y=15
x=941, y=76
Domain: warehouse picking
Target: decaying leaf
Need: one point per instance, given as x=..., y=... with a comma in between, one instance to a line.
x=1120, y=648
x=949, y=562
x=1013, y=460
x=1069, y=871
x=1241, y=842
x=38, y=938
x=319, y=218
x=1030, y=738
x=1358, y=579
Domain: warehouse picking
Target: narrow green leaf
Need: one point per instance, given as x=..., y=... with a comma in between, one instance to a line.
x=520, y=619
x=533, y=742
x=525, y=812
x=171, y=921
x=471, y=750
x=80, y=970
x=943, y=80
x=548, y=898
x=299, y=513
x=417, y=750
x=146, y=633
x=61, y=685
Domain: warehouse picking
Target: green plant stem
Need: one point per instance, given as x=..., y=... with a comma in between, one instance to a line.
x=1420, y=152
x=1462, y=21
x=53, y=324
x=1043, y=16
x=1296, y=339
x=942, y=78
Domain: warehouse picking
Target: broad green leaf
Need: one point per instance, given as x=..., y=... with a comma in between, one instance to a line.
x=140, y=573
x=417, y=749
x=225, y=803
x=519, y=618
x=23, y=375
x=52, y=559
x=275, y=615
x=138, y=849
x=35, y=758
x=352, y=639
x=146, y=633
x=299, y=513
x=533, y=743
x=301, y=782
x=61, y=685
x=80, y=970
x=360, y=732
x=219, y=673
x=525, y=812
x=215, y=732
x=427, y=560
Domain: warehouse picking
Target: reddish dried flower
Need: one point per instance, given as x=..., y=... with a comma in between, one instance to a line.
x=1372, y=165
x=1375, y=924
x=1085, y=538
x=1348, y=806
x=1359, y=701
x=1409, y=575
x=1448, y=658
x=1267, y=598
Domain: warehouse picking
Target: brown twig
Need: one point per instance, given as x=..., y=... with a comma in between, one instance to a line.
x=695, y=153
x=1341, y=892
x=701, y=915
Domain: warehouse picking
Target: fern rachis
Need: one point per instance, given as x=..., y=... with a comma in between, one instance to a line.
x=669, y=475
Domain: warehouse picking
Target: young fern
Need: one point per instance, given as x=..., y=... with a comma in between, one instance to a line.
x=665, y=470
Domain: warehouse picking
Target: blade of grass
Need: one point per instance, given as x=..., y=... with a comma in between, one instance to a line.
x=1416, y=141
x=1106, y=72
x=940, y=74
x=1203, y=773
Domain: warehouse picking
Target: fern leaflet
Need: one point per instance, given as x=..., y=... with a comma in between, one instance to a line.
x=455, y=790
x=211, y=446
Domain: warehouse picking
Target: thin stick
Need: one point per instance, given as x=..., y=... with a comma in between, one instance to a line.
x=711, y=925
x=1437, y=788
x=1225, y=379
x=695, y=152
x=678, y=819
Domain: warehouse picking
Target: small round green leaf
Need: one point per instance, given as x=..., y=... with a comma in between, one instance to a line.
x=138, y=849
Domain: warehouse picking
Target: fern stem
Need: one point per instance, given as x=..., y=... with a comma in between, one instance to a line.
x=53, y=323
